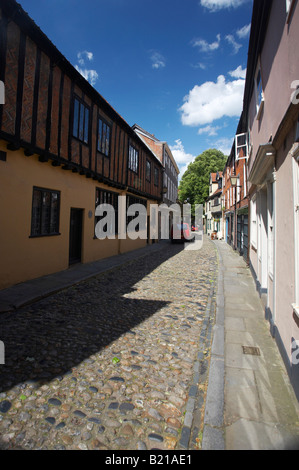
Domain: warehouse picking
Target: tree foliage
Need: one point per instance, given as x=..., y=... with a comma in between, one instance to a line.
x=194, y=185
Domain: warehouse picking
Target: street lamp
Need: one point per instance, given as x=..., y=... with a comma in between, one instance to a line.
x=234, y=181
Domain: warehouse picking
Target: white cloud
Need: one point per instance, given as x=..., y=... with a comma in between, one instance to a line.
x=199, y=65
x=216, y=5
x=84, y=55
x=238, y=73
x=182, y=158
x=224, y=145
x=204, y=46
x=231, y=40
x=158, y=60
x=211, y=101
x=243, y=33
x=89, y=74
x=210, y=130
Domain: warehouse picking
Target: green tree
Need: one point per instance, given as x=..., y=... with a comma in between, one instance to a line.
x=194, y=185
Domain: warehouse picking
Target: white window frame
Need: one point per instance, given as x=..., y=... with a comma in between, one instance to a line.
x=245, y=180
x=242, y=146
x=296, y=230
x=253, y=222
x=238, y=190
x=271, y=229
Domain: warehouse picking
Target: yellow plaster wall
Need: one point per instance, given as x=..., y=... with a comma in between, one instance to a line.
x=23, y=258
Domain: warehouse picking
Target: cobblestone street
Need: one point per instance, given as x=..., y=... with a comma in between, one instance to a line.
x=119, y=361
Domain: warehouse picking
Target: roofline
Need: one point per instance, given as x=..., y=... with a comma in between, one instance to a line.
x=173, y=159
x=15, y=11
x=259, y=25
x=140, y=130
x=148, y=147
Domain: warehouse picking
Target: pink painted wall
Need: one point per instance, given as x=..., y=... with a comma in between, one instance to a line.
x=279, y=68
x=279, y=62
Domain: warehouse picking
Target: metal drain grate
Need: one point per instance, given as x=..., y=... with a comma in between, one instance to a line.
x=252, y=351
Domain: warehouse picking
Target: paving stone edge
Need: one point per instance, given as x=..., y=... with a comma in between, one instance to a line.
x=213, y=430
x=193, y=415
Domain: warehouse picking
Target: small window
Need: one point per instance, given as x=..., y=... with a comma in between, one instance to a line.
x=259, y=94
x=81, y=121
x=241, y=146
x=45, y=212
x=104, y=138
x=133, y=159
x=107, y=197
x=131, y=200
x=156, y=176
x=148, y=170
x=259, y=88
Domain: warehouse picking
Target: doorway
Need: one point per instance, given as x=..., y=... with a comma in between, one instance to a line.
x=76, y=224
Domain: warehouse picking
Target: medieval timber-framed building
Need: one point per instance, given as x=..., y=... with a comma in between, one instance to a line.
x=63, y=150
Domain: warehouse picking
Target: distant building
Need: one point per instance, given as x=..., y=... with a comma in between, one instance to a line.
x=235, y=198
x=213, y=207
x=164, y=155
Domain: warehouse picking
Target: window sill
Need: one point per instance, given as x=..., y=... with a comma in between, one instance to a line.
x=103, y=154
x=296, y=309
x=45, y=235
x=80, y=141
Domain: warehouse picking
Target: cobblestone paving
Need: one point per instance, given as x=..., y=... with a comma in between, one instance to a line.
x=113, y=362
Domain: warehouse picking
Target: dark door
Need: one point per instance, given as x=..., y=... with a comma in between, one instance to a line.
x=75, y=236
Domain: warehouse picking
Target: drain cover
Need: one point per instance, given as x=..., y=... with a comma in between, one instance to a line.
x=250, y=350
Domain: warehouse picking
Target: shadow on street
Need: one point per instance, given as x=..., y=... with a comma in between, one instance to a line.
x=48, y=338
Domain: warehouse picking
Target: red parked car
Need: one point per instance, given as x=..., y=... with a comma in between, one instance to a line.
x=180, y=233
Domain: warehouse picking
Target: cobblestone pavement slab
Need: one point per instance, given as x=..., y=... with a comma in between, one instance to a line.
x=119, y=361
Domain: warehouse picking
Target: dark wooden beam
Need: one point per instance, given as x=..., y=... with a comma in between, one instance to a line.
x=35, y=96
x=60, y=112
x=49, y=110
x=3, y=44
x=20, y=85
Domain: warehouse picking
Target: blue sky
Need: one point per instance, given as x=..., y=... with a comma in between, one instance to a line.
x=174, y=67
